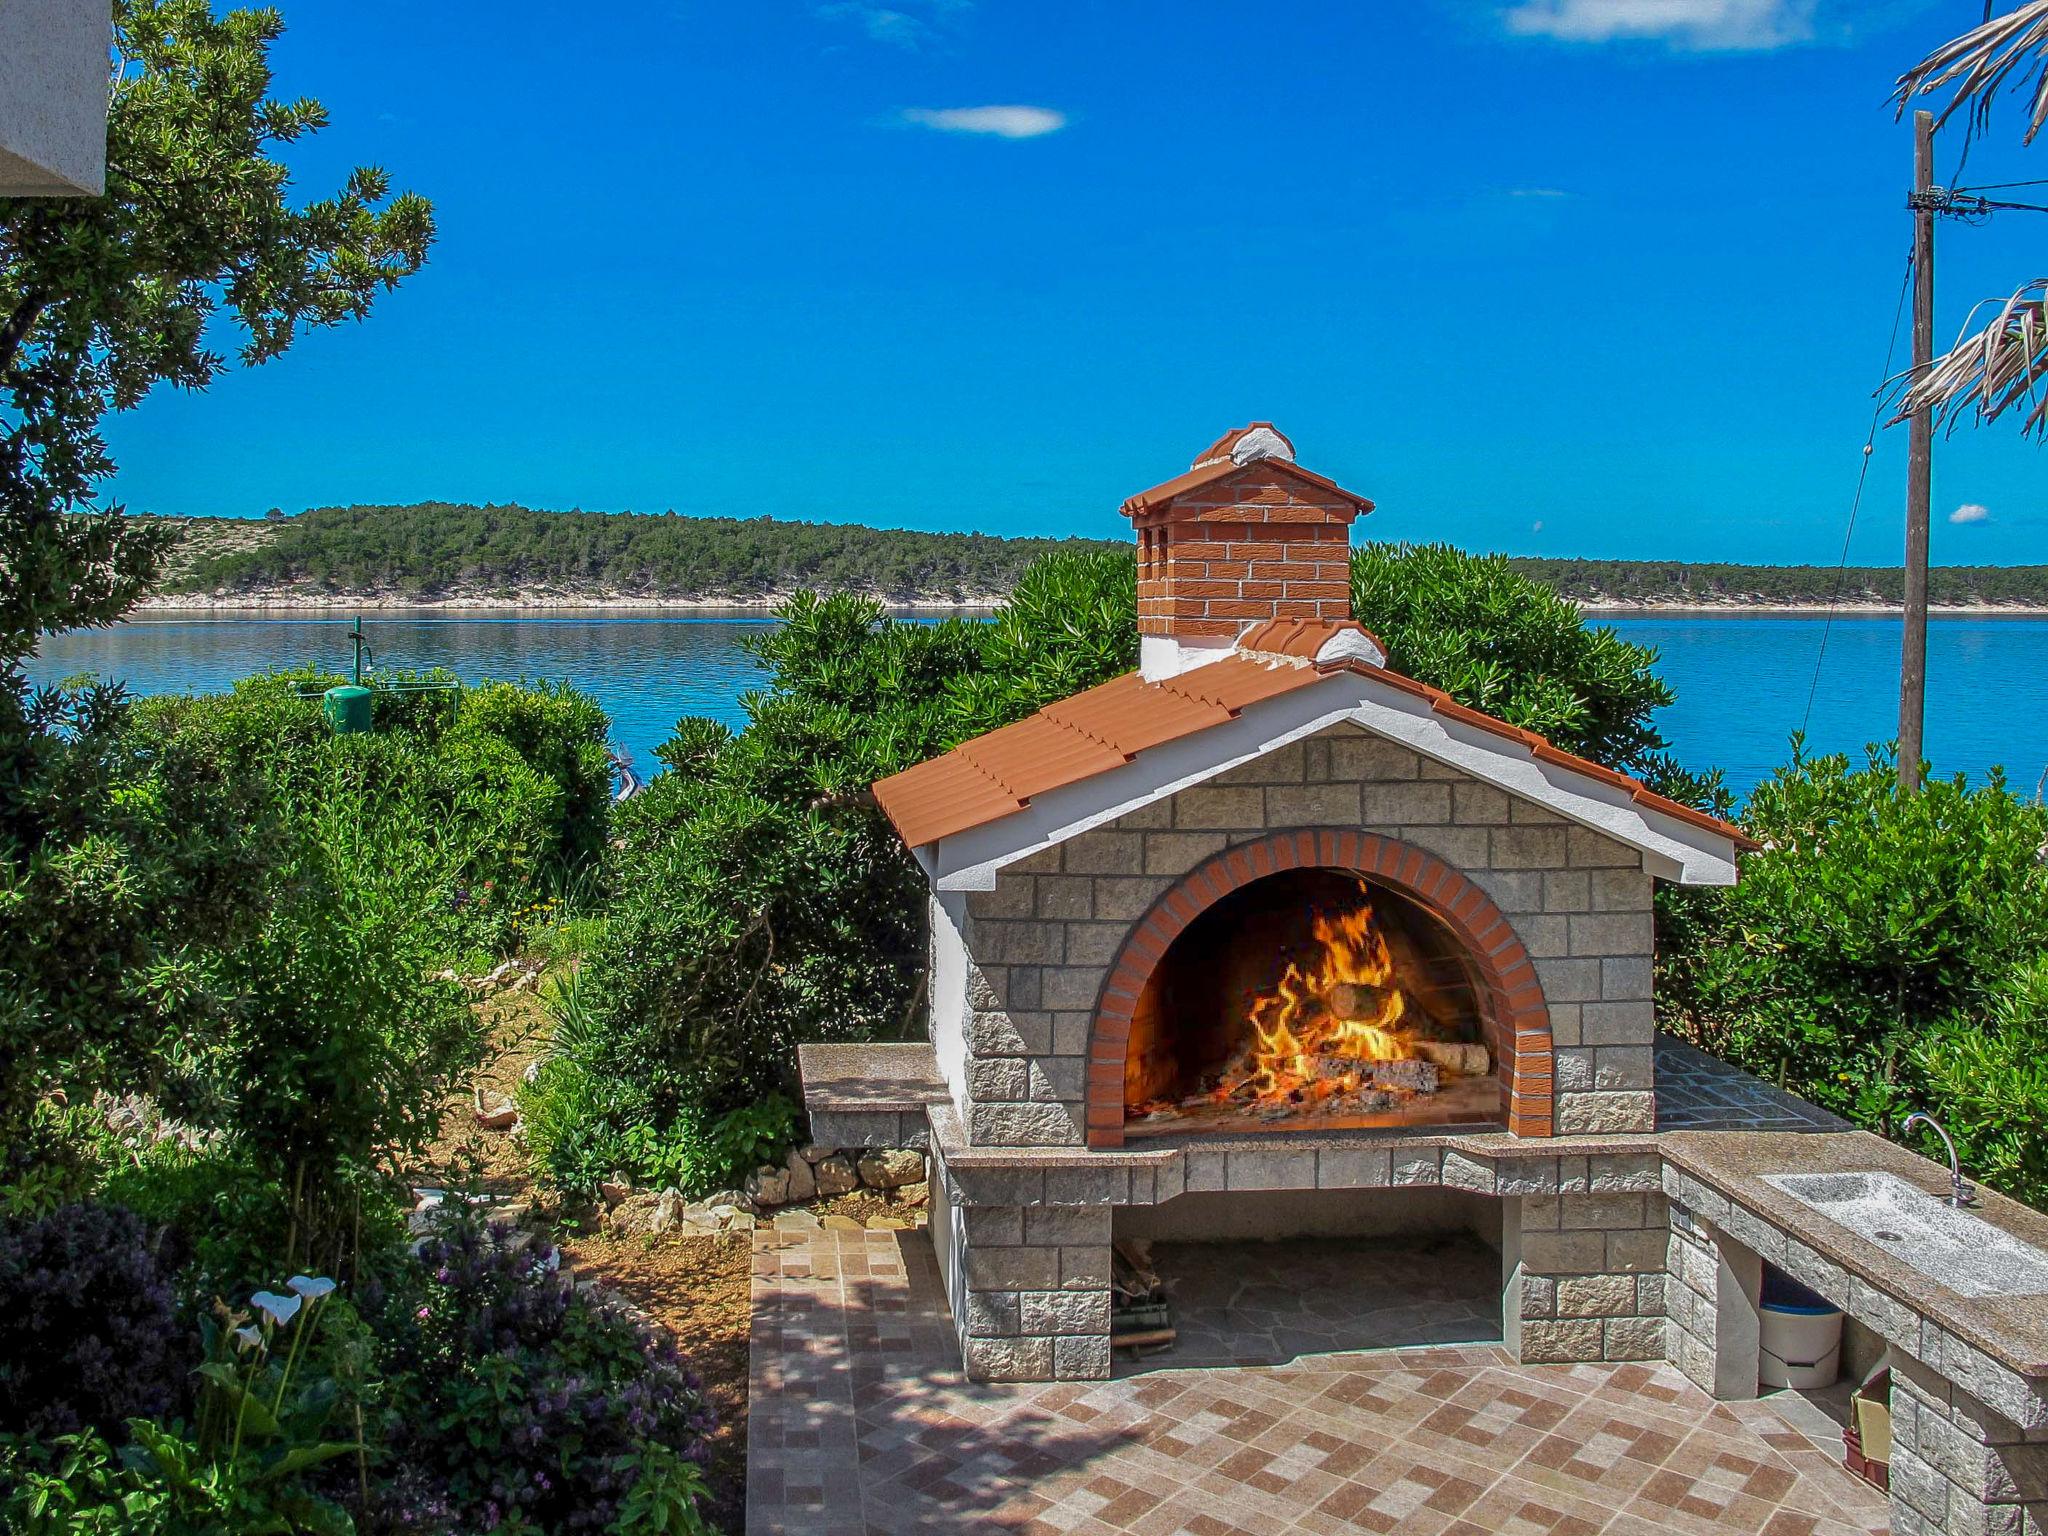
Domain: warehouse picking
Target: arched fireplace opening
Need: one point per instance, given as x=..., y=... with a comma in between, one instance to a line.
x=1312, y=998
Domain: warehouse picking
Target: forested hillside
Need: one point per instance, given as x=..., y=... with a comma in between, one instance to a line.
x=435, y=551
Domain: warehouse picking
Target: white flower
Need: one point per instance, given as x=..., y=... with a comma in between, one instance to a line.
x=279, y=1309
x=310, y=1287
x=248, y=1338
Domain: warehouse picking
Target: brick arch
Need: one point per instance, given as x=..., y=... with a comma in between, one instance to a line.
x=1513, y=997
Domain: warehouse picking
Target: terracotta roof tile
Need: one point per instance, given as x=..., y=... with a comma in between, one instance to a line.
x=996, y=774
x=1208, y=473
x=1301, y=639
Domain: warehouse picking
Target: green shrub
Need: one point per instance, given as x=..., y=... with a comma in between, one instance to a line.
x=1883, y=953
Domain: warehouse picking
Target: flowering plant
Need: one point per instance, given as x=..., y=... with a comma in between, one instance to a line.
x=531, y=1407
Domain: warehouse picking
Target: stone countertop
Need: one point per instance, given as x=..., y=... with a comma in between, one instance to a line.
x=2013, y=1330
x=861, y=1078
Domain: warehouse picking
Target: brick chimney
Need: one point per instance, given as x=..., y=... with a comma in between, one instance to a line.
x=1244, y=536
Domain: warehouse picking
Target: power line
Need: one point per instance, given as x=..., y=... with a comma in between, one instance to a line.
x=1862, y=477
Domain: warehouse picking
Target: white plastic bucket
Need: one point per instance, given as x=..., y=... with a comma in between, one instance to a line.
x=1801, y=1345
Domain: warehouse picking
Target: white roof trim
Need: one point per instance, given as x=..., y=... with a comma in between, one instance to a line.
x=1672, y=848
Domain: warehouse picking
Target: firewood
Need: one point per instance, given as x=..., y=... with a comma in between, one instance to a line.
x=1355, y=1000
x=1143, y=1338
x=1455, y=1056
x=1413, y=1076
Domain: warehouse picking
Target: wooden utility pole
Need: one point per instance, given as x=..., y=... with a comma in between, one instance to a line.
x=1919, y=464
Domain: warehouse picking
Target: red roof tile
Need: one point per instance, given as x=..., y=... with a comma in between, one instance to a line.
x=1210, y=472
x=1301, y=639
x=996, y=775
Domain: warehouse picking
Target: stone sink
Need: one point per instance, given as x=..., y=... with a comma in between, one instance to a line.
x=1922, y=1231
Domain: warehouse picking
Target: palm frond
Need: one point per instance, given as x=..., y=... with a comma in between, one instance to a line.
x=1981, y=63
x=1993, y=370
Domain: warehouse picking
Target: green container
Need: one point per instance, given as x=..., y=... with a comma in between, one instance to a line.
x=347, y=708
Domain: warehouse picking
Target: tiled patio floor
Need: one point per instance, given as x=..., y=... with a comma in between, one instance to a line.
x=1321, y=1296
x=861, y=1423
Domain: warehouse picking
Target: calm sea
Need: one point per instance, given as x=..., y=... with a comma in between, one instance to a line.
x=1742, y=682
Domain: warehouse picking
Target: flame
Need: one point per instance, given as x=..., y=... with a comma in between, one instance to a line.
x=1296, y=1032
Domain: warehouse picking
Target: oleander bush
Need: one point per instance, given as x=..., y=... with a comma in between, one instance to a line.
x=1883, y=953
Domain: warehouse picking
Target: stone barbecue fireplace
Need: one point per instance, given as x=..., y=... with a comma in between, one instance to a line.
x=1323, y=996
x=1266, y=938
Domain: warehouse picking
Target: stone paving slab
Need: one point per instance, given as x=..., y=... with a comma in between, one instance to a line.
x=861, y=1424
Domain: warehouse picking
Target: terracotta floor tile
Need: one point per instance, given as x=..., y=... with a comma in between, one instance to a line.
x=865, y=1426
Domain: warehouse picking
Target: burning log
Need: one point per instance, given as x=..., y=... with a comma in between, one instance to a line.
x=1355, y=1000
x=1454, y=1057
x=1412, y=1076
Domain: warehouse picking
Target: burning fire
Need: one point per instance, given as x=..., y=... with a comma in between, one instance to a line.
x=1329, y=1019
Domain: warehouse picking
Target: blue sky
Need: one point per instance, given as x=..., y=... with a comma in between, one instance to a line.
x=1570, y=277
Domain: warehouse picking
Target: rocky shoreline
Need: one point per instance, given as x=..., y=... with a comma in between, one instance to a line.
x=237, y=604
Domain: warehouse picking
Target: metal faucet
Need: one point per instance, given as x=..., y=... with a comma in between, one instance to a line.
x=1965, y=1191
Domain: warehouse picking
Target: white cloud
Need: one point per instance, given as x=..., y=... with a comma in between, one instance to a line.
x=1703, y=24
x=910, y=24
x=1970, y=512
x=1545, y=194
x=1002, y=122
x=1537, y=526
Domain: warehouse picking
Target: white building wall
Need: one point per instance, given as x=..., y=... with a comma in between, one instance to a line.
x=53, y=97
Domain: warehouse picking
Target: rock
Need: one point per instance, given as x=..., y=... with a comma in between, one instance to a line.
x=501, y=1116
x=738, y=1197
x=668, y=1210
x=887, y=1224
x=914, y=1195
x=803, y=1184
x=838, y=1223
x=795, y=1221
x=835, y=1176
x=891, y=1170
x=811, y=1152
x=768, y=1185
x=613, y=1191
x=635, y=1215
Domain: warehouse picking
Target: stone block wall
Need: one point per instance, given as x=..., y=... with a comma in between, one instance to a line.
x=1041, y=943
x=1033, y=1298
x=1958, y=1467
x=1589, y=1283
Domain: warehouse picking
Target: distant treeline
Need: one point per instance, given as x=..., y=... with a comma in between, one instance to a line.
x=435, y=549
x=1674, y=581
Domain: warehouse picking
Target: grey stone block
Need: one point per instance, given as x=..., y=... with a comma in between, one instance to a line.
x=1026, y=942
x=1070, y=989
x=1175, y=853
x=1013, y=1269
x=1353, y=1168
x=1271, y=1168
x=1626, y=1172
x=1422, y=1165
x=1526, y=1176
x=1594, y=850
x=1407, y=805
x=1058, y=1226
x=1061, y=1079
x=1080, y=1359
x=1094, y=944
x=1022, y=1125
x=1106, y=852
x=1205, y=1170
x=1210, y=808
x=998, y=1077
x=1546, y=938
x=1369, y=758
x=1635, y=1252
x=1564, y=1253
x=1012, y=897
x=1126, y=898
x=1539, y=1296
x=1605, y=1114
x=1610, y=933
x=1632, y=1338
x=992, y=1314
x=1559, y=1342
x=1626, y=978
x=1569, y=981
x=992, y=1226
x=1468, y=1173
x=1462, y=848
x=1529, y=848
x=1573, y=1068
x=1011, y=1359
x=1064, y=1313
x=1314, y=805
x=1084, y=1267
x=1601, y=1213
x=1478, y=805
x=1623, y=1068
x=1567, y=890
x=1595, y=1296
x=1620, y=890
